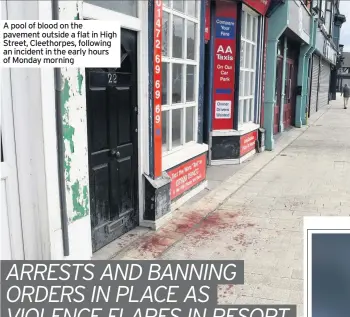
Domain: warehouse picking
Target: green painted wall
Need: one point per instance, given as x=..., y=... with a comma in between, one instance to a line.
x=73, y=107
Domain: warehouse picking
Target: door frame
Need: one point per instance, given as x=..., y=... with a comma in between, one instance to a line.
x=9, y=171
x=139, y=25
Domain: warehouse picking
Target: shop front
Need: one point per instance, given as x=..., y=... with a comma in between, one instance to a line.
x=235, y=79
x=116, y=148
x=323, y=61
x=178, y=155
x=290, y=45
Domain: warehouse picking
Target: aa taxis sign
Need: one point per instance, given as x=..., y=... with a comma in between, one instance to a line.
x=224, y=65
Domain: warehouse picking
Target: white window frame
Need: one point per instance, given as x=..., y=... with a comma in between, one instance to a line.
x=252, y=71
x=169, y=150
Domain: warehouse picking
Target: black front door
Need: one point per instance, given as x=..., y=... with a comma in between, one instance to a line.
x=112, y=139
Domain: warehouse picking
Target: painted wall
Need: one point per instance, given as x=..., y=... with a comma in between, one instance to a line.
x=73, y=108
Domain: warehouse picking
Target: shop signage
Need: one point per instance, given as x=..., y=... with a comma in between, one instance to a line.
x=187, y=175
x=260, y=6
x=207, y=20
x=247, y=142
x=157, y=88
x=224, y=64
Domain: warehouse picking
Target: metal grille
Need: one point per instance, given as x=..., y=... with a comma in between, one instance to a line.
x=314, y=84
x=324, y=85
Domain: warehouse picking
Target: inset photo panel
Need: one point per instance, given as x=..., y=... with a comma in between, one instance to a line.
x=327, y=266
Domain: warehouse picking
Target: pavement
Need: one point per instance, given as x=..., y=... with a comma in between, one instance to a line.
x=257, y=213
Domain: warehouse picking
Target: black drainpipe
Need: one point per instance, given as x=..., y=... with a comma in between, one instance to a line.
x=60, y=147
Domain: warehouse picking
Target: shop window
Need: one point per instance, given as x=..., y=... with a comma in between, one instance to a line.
x=180, y=57
x=128, y=7
x=248, y=67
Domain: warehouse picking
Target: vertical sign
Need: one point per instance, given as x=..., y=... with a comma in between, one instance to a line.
x=264, y=74
x=224, y=64
x=157, y=88
x=207, y=20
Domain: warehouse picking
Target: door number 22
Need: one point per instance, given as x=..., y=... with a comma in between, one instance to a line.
x=112, y=78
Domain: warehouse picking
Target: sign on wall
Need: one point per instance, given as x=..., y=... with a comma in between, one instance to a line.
x=187, y=175
x=224, y=65
x=247, y=142
x=207, y=20
x=157, y=88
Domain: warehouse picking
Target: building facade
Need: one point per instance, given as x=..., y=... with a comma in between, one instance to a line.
x=107, y=158
x=234, y=78
x=290, y=43
x=190, y=92
x=343, y=76
x=324, y=58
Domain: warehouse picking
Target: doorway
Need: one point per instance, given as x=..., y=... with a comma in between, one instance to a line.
x=111, y=98
x=278, y=92
x=289, y=98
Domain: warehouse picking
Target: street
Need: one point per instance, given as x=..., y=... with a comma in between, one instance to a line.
x=257, y=214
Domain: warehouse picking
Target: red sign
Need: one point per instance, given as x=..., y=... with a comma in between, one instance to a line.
x=207, y=20
x=157, y=88
x=260, y=6
x=263, y=76
x=224, y=64
x=187, y=175
x=247, y=142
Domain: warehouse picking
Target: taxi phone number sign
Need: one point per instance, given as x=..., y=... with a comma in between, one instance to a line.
x=157, y=88
x=187, y=175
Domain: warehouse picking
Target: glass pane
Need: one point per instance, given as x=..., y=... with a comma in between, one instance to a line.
x=251, y=115
x=165, y=127
x=253, y=61
x=252, y=83
x=250, y=104
x=246, y=111
x=255, y=29
x=249, y=27
x=190, y=80
x=247, y=58
x=190, y=124
x=166, y=3
x=177, y=83
x=246, y=84
x=178, y=31
x=178, y=5
x=165, y=70
x=191, y=29
x=165, y=35
x=128, y=7
x=241, y=81
x=192, y=7
x=240, y=111
x=242, y=53
x=243, y=24
x=176, y=127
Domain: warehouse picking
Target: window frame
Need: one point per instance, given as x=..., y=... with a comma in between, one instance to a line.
x=168, y=107
x=253, y=71
x=329, y=11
